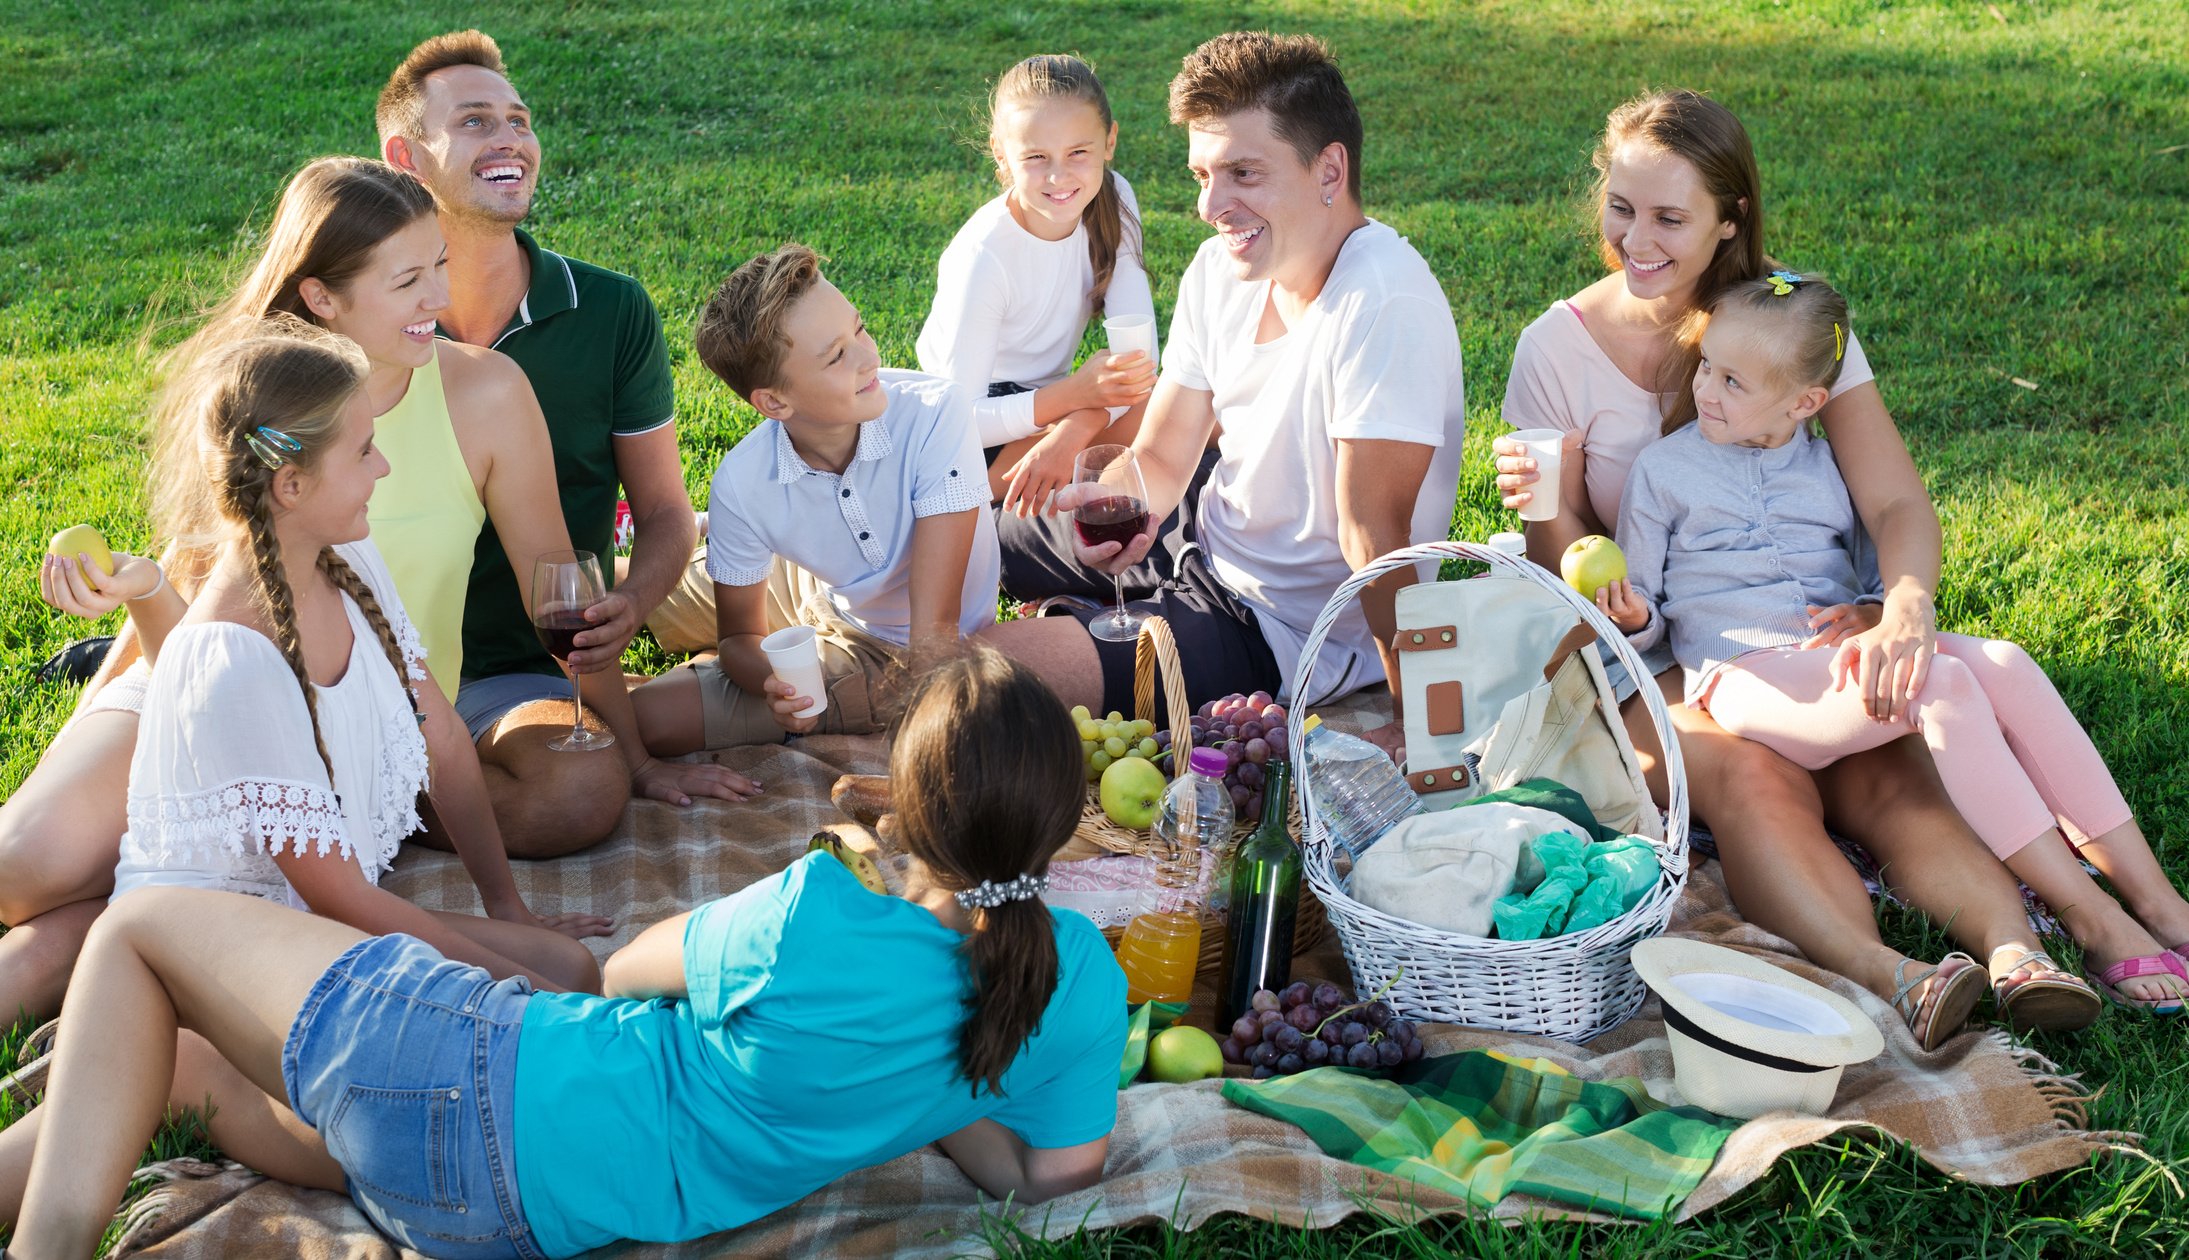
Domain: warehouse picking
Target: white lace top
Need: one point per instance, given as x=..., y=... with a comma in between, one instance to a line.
x=226, y=775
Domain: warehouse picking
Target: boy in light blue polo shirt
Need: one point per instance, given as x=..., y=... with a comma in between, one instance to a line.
x=857, y=507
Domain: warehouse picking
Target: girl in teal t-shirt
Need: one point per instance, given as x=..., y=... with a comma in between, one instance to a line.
x=747, y=1053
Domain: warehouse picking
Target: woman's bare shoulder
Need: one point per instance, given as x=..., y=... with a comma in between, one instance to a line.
x=489, y=397
x=475, y=373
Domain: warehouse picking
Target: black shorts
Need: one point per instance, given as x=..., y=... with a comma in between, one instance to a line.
x=1038, y=559
x=1002, y=389
x=1220, y=644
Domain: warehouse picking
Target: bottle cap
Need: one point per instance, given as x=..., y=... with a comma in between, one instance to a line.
x=1512, y=544
x=1209, y=761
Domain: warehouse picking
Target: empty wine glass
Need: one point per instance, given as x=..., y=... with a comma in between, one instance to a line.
x=564, y=585
x=1112, y=508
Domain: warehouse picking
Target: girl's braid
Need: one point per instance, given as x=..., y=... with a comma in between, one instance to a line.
x=250, y=485
x=339, y=571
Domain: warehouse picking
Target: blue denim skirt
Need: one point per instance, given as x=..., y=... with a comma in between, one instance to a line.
x=406, y=1065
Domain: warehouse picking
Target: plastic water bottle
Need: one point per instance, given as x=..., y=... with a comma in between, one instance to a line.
x=1161, y=948
x=1359, y=792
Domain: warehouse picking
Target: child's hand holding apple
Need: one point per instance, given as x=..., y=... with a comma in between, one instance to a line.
x=1626, y=609
x=82, y=577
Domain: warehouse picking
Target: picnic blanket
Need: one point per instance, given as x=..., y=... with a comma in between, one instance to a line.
x=1482, y=1125
x=1979, y=1107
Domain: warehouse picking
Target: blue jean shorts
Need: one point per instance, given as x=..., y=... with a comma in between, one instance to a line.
x=481, y=702
x=406, y=1064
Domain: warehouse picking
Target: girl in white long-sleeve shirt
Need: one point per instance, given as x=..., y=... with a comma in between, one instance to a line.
x=1016, y=287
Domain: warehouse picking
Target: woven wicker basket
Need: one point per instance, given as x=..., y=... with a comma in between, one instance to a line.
x=1572, y=987
x=1098, y=836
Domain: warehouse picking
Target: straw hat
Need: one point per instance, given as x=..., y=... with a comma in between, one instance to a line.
x=1748, y=1037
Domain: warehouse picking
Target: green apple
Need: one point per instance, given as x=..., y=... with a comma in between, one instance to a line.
x=86, y=540
x=1131, y=791
x=1179, y=1054
x=1591, y=563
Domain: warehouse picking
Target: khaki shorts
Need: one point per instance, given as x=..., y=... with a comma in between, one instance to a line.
x=858, y=669
x=684, y=621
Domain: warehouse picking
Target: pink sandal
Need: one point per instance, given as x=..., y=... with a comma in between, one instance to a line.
x=2164, y=963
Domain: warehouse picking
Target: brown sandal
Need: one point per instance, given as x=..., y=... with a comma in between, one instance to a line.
x=2051, y=1000
x=1963, y=982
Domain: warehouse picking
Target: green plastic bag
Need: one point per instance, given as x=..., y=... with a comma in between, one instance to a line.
x=1543, y=910
x=1628, y=864
x=1597, y=905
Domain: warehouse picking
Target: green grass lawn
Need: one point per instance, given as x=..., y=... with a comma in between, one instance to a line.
x=2000, y=188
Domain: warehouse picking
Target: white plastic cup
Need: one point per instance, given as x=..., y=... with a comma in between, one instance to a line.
x=794, y=655
x=1128, y=333
x=1543, y=445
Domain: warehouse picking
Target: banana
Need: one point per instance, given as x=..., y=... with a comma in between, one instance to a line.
x=859, y=864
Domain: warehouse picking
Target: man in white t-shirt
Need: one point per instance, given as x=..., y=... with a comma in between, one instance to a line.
x=1320, y=342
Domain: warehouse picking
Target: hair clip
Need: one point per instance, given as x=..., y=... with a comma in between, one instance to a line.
x=1839, y=342
x=272, y=446
x=1784, y=282
x=988, y=894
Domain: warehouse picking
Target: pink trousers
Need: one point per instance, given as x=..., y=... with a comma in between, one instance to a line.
x=2013, y=759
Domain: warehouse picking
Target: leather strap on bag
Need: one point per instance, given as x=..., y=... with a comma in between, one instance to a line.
x=1577, y=638
x=1425, y=639
x=1444, y=707
x=1441, y=779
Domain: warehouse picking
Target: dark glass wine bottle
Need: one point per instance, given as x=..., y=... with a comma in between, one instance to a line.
x=1265, y=904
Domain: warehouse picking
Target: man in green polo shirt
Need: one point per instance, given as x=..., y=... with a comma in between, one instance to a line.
x=590, y=342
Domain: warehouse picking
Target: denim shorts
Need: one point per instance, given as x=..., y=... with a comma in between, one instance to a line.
x=481, y=702
x=406, y=1064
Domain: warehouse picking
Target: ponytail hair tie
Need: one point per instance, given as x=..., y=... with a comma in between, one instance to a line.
x=272, y=446
x=988, y=894
x=1784, y=282
x=1839, y=342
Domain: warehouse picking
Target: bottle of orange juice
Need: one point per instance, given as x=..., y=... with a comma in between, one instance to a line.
x=1162, y=946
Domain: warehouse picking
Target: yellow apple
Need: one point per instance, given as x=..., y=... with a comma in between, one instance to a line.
x=1591, y=563
x=89, y=541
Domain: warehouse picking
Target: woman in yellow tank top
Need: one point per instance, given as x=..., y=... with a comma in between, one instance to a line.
x=355, y=246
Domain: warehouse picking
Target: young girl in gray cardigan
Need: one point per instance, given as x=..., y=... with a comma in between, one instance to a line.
x=1744, y=550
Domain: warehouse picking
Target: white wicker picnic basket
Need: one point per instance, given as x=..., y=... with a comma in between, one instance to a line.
x=1571, y=987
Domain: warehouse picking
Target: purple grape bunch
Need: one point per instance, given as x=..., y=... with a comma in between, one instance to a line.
x=1249, y=731
x=1305, y=1026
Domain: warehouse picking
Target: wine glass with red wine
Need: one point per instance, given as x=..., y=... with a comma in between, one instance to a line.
x=1113, y=507
x=564, y=585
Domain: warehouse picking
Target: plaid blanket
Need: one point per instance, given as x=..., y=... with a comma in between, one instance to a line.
x=1481, y=1125
x=1979, y=1107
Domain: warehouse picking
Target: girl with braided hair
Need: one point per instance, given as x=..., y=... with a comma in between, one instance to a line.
x=292, y=722
x=735, y=1064
x=290, y=729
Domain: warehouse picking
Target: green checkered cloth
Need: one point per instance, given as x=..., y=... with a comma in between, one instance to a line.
x=1482, y=1125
